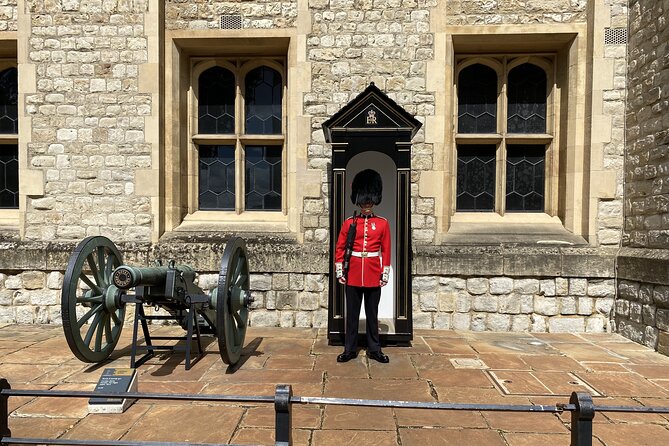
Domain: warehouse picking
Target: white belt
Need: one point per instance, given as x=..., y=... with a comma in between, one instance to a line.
x=365, y=254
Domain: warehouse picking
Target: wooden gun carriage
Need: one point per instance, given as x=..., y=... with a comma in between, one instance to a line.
x=97, y=286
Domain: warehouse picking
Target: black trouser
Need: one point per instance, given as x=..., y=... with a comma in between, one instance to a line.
x=354, y=297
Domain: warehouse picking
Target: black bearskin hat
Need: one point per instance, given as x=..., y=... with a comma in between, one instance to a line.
x=367, y=187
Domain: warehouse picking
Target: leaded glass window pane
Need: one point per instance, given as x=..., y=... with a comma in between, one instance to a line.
x=476, y=178
x=263, y=101
x=216, y=101
x=263, y=178
x=9, y=176
x=477, y=100
x=525, y=177
x=527, y=99
x=9, y=122
x=217, y=177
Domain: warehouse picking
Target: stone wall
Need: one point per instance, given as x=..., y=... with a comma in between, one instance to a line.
x=206, y=14
x=487, y=12
x=642, y=309
x=88, y=119
x=8, y=15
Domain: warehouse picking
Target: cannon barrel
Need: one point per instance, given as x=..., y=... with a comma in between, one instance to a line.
x=126, y=277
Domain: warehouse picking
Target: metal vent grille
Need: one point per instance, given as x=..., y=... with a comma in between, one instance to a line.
x=615, y=36
x=231, y=21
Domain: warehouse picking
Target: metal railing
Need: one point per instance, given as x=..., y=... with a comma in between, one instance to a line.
x=580, y=405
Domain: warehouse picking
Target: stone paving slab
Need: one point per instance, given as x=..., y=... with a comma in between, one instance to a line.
x=443, y=366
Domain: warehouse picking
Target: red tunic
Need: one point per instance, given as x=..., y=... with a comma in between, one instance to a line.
x=372, y=235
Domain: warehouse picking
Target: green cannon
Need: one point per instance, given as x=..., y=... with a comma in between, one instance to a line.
x=97, y=286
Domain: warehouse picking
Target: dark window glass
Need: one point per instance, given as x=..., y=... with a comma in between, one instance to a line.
x=216, y=101
x=476, y=178
x=477, y=100
x=525, y=174
x=263, y=178
x=217, y=177
x=9, y=176
x=9, y=122
x=263, y=101
x=527, y=100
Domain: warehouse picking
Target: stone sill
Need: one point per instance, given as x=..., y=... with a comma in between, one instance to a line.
x=269, y=254
x=644, y=265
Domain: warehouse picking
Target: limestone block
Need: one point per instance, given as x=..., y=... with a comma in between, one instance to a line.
x=526, y=286
x=648, y=314
x=561, y=286
x=43, y=297
x=479, y=322
x=261, y=318
x=258, y=300
x=421, y=284
x=547, y=287
x=287, y=319
x=628, y=290
x=428, y=302
x=25, y=314
x=442, y=321
x=567, y=305
x=477, y=285
x=651, y=337
x=422, y=320
x=286, y=300
x=33, y=280
x=7, y=315
x=446, y=301
x=566, y=325
x=499, y=322
x=604, y=305
x=280, y=282
x=595, y=324
x=485, y=303
x=520, y=323
x=320, y=319
x=452, y=283
x=461, y=321
x=7, y=297
x=463, y=302
x=13, y=282
x=510, y=304
x=501, y=285
x=635, y=312
x=308, y=301
x=296, y=281
x=662, y=318
x=207, y=281
x=661, y=296
x=546, y=306
x=270, y=300
x=303, y=319
x=314, y=282
x=586, y=305
x=578, y=287
x=604, y=288
x=662, y=341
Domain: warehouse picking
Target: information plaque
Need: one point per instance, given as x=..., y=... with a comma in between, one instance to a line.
x=114, y=380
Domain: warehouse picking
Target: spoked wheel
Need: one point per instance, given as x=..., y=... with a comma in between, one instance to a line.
x=232, y=300
x=91, y=305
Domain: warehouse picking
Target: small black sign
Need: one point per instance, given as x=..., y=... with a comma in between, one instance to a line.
x=113, y=380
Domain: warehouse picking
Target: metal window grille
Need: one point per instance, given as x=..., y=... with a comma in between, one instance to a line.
x=615, y=36
x=231, y=21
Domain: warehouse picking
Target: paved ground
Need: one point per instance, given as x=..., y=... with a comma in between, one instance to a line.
x=443, y=366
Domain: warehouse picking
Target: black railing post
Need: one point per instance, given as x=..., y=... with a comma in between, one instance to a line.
x=283, y=423
x=581, y=419
x=4, y=409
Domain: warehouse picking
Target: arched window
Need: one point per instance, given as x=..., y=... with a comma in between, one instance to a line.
x=240, y=161
x=9, y=153
x=477, y=99
x=503, y=170
x=527, y=99
x=263, y=101
x=216, y=101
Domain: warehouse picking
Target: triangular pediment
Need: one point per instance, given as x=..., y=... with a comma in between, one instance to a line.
x=371, y=110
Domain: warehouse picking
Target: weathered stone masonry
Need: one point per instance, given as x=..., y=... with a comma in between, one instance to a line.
x=88, y=112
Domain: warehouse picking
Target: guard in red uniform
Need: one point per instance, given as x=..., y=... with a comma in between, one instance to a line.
x=368, y=266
